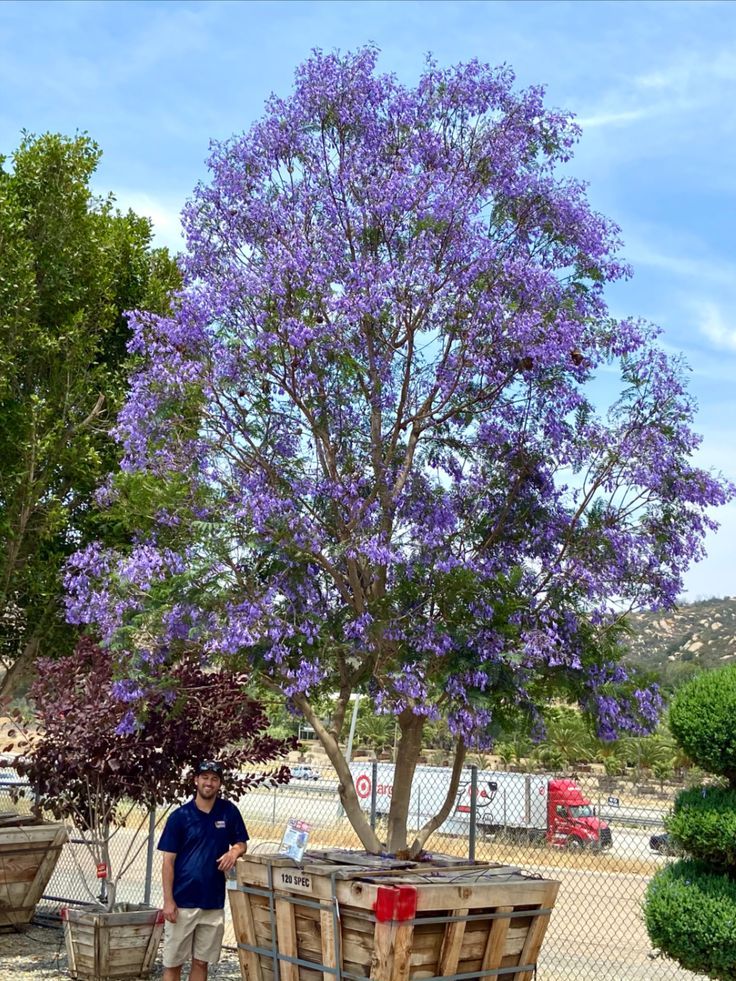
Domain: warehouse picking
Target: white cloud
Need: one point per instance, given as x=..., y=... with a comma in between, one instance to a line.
x=616, y=118
x=165, y=216
x=701, y=268
x=712, y=324
x=701, y=71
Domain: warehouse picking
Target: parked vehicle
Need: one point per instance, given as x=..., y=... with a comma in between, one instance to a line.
x=301, y=772
x=664, y=844
x=522, y=805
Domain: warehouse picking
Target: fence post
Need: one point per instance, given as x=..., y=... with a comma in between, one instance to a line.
x=149, y=856
x=473, y=811
x=374, y=781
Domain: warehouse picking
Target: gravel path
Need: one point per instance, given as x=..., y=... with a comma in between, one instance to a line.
x=38, y=954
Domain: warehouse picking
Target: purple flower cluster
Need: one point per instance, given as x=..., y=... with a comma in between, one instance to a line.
x=373, y=384
x=619, y=706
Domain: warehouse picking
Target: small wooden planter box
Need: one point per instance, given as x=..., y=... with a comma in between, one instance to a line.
x=103, y=946
x=28, y=856
x=332, y=920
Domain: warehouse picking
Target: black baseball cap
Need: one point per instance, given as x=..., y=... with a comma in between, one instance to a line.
x=209, y=766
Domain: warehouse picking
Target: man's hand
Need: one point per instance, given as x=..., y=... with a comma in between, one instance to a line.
x=170, y=910
x=227, y=861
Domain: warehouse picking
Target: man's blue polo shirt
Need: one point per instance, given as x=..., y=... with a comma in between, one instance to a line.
x=198, y=839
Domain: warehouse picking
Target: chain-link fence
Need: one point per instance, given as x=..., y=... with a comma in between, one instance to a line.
x=602, y=838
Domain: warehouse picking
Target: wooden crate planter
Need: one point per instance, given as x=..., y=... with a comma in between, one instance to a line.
x=330, y=920
x=103, y=946
x=28, y=856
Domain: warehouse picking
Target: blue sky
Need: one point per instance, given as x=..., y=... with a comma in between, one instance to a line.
x=653, y=84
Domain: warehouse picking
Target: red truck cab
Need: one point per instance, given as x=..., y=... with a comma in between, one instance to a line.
x=571, y=819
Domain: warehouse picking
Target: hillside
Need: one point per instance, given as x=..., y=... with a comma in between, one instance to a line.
x=696, y=635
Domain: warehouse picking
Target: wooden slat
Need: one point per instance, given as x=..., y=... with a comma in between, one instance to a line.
x=46, y=866
x=328, y=946
x=402, y=941
x=451, y=943
x=71, y=954
x=496, y=944
x=245, y=931
x=152, y=949
x=533, y=942
x=286, y=936
x=381, y=959
x=102, y=947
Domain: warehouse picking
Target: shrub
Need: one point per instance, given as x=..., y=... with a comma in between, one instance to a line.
x=690, y=906
x=702, y=718
x=704, y=824
x=690, y=915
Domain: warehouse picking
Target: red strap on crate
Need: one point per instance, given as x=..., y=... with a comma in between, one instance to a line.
x=395, y=903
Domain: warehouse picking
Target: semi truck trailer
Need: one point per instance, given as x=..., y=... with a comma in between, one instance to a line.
x=523, y=805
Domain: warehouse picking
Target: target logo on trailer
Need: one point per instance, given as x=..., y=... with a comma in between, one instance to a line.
x=363, y=786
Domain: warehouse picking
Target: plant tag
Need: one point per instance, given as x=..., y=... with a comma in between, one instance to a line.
x=293, y=880
x=101, y=870
x=294, y=840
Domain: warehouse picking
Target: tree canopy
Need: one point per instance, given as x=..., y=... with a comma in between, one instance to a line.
x=373, y=409
x=70, y=266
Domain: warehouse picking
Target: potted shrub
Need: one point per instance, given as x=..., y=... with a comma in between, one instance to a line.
x=690, y=906
x=369, y=421
x=104, y=772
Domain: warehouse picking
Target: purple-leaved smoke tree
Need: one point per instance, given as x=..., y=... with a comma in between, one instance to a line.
x=370, y=421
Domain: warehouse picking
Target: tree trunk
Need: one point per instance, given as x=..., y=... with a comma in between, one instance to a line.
x=20, y=674
x=411, y=727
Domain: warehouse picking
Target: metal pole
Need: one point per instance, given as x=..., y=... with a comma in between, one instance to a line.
x=473, y=811
x=374, y=781
x=149, y=856
x=351, y=734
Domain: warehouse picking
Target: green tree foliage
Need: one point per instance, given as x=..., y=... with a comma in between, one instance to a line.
x=568, y=741
x=70, y=266
x=375, y=731
x=702, y=719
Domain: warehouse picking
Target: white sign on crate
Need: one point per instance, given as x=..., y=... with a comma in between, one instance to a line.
x=293, y=880
x=294, y=839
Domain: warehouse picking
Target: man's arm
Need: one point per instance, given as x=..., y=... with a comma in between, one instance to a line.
x=167, y=880
x=227, y=861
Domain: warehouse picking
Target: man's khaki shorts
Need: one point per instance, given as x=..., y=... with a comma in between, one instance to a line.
x=196, y=934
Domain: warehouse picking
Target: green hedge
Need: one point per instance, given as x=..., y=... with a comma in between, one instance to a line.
x=690, y=913
x=704, y=825
x=702, y=720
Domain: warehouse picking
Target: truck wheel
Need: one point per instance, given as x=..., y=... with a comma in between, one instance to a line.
x=573, y=844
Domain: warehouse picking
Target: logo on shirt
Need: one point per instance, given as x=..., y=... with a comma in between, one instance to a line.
x=220, y=824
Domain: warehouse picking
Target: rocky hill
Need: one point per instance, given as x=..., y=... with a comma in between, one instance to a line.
x=676, y=645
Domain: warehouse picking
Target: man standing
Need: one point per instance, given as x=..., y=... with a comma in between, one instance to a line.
x=202, y=841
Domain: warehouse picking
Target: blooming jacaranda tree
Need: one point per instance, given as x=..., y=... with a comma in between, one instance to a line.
x=363, y=455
